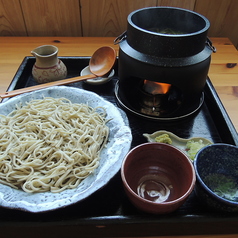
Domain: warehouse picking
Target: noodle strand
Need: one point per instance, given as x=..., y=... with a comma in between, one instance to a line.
x=50, y=144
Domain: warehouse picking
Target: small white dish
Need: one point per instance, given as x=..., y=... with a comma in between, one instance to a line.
x=98, y=80
x=176, y=141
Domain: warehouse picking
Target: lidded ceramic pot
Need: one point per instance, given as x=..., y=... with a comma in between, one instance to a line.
x=48, y=67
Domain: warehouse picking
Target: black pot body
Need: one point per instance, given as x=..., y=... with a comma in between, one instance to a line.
x=181, y=59
x=186, y=32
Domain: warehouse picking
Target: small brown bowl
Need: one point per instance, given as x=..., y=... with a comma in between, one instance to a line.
x=157, y=177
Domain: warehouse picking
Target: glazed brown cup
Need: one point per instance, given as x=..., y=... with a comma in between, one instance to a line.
x=157, y=177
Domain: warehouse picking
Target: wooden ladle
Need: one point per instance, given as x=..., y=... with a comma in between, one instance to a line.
x=100, y=64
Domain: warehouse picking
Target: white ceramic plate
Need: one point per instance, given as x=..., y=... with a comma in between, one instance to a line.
x=111, y=157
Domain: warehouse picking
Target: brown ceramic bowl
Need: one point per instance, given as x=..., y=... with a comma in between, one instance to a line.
x=157, y=177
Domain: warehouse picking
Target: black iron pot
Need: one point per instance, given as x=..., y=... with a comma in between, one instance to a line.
x=164, y=44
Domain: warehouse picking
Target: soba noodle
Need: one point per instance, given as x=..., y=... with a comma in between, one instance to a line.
x=50, y=144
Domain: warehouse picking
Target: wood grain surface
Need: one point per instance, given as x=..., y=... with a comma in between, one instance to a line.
x=223, y=17
x=188, y=4
x=52, y=18
x=224, y=76
x=103, y=17
x=108, y=18
x=11, y=19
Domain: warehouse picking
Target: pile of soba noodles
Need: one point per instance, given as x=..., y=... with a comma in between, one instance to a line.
x=50, y=144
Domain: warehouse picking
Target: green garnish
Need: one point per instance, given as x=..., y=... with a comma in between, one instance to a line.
x=223, y=186
x=192, y=147
x=164, y=138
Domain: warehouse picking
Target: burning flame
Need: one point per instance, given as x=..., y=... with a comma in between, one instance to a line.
x=155, y=87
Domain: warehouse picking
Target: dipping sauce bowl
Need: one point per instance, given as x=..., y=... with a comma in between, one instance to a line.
x=157, y=177
x=216, y=167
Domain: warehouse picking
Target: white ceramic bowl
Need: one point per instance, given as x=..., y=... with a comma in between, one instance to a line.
x=98, y=80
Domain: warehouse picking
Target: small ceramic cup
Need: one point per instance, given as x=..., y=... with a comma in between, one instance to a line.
x=157, y=177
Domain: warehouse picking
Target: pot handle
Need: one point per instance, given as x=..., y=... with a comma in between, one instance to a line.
x=120, y=38
x=209, y=43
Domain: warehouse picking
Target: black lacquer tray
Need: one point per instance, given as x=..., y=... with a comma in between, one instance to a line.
x=108, y=212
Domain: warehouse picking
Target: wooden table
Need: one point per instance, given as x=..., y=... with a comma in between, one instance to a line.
x=223, y=70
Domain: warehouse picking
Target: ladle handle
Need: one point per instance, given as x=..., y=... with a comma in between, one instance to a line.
x=46, y=85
